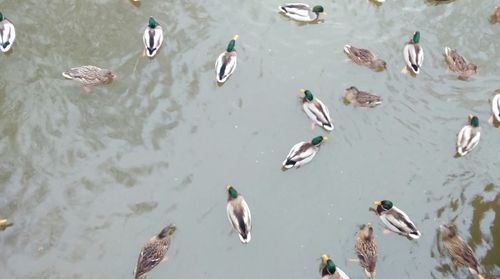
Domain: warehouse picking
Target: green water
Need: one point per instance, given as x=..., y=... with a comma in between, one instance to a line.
x=87, y=178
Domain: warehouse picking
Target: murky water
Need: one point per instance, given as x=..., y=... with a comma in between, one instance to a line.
x=87, y=178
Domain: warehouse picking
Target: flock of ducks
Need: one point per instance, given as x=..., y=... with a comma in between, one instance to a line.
x=238, y=212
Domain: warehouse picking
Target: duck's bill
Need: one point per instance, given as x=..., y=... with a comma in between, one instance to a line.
x=324, y=13
x=3, y=221
x=377, y=203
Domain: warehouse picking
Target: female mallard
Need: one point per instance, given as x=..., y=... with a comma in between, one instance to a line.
x=414, y=54
x=366, y=249
x=153, y=252
x=316, y=110
x=226, y=62
x=4, y=224
x=495, y=17
x=302, y=12
x=469, y=135
x=365, y=57
x=361, y=98
x=7, y=33
x=459, y=64
x=238, y=214
x=89, y=75
x=153, y=37
x=329, y=270
x=303, y=152
x=460, y=252
x=396, y=220
x=495, y=108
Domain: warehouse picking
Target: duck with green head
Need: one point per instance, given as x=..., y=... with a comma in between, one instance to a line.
x=396, y=220
x=329, y=270
x=469, y=136
x=153, y=37
x=226, y=62
x=153, y=252
x=303, y=152
x=414, y=54
x=316, y=110
x=302, y=12
x=7, y=33
x=239, y=214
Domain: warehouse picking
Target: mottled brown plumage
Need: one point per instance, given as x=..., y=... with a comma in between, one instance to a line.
x=364, y=57
x=495, y=17
x=459, y=64
x=89, y=75
x=366, y=250
x=362, y=98
x=460, y=252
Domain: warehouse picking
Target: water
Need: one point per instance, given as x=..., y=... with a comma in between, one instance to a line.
x=87, y=178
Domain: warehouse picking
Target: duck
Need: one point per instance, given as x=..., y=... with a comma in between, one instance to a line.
x=226, y=62
x=153, y=252
x=4, y=224
x=329, y=270
x=469, y=136
x=361, y=98
x=239, y=214
x=365, y=57
x=414, y=54
x=396, y=220
x=89, y=75
x=303, y=152
x=495, y=17
x=7, y=33
x=459, y=64
x=460, y=252
x=366, y=250
x=316, y=110
x=495, y=108
x=153, y=37
x=302, y=12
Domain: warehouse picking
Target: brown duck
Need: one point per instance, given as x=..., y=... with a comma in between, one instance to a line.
x=366, y=250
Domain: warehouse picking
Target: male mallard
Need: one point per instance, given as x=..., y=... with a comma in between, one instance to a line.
x=469, y=135
x=316, y=110
x=459, y=64
x=495, y=17
x=460, y=252
x=414, y=54
x=495, y=108
x=366, y=249
x=153, y=252
x=89, y=75
x=153, y=37
x=303, y=152
x=226, y=62
x=329, y=270
x=238, y=214
x=396, y=220
x=365, y=57
x=7, y=33
x=361, y=98
x=302, y=12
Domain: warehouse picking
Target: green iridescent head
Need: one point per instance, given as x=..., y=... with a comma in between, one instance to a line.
x=318, y=9
x=416, y=37
x=474, y=121
x=385, y=204
x=1, y=16
x=317, y=140
x=232, y=43
x=232, y=192
x=152, y=22
x=308, y=94
x=330, y=266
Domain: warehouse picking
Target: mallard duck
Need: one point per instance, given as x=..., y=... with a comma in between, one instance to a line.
x=495, y=108
x=459, y=64
x=469, y=135
x=396, y=220
x=153, y=37
x=329, y=270
x=302, y=12
x=366, y=249
x=414, y=54
x=4, y=224
x=7, y=33
x=495, y=17
x=460, y=252
x=365, y=57
x=316, y=110
x=153, y=252
x=361, y=98
x=89, y=75
x=303, y=152
x=239, y=214
x=226, y=62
